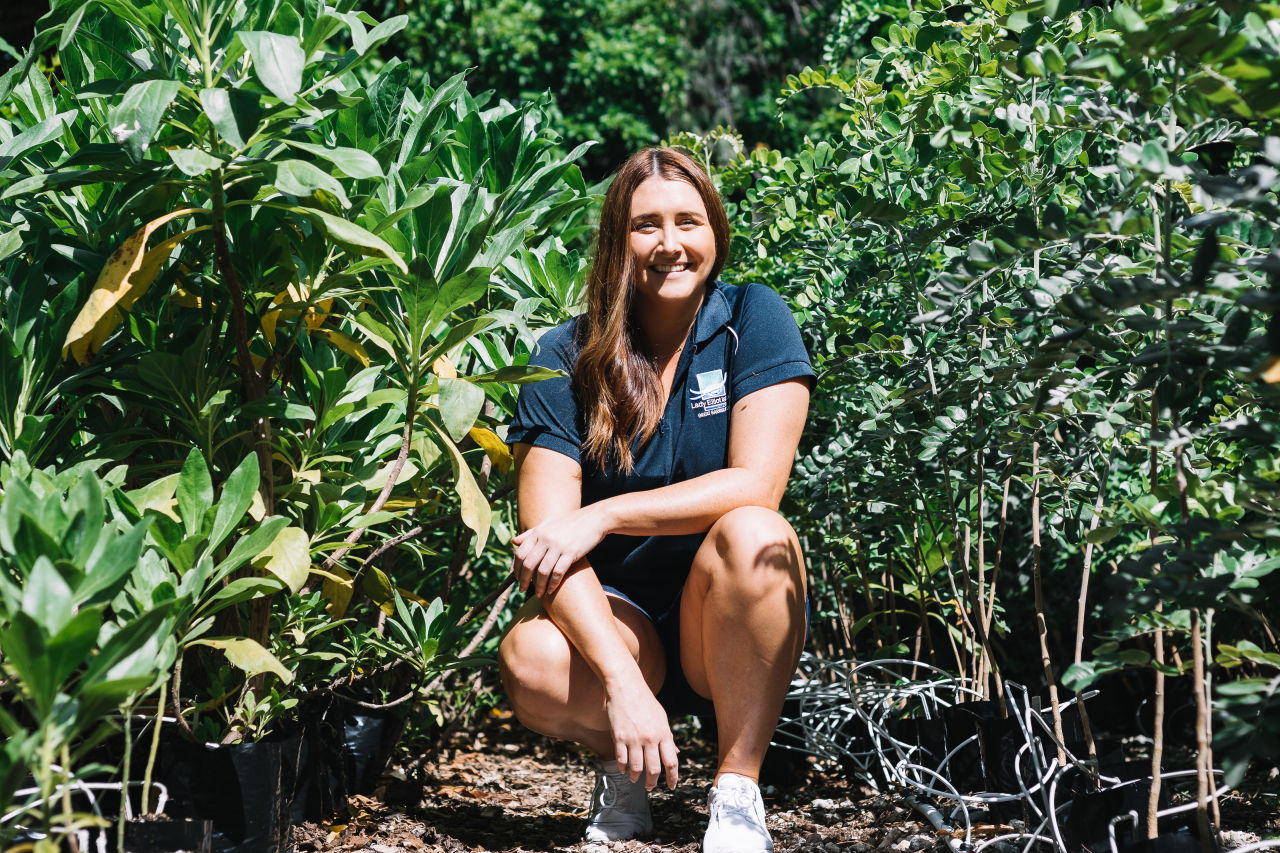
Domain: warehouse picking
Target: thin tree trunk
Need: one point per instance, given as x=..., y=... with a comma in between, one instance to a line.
x=1081, y=608
x=1157, y=744
x=1157, y=728
x=1204, y=772
x=1041, y=626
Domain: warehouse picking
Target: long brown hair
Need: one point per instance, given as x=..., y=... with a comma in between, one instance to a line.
x=615, y=377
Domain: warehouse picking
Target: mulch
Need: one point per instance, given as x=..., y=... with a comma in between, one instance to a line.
x=500, y=789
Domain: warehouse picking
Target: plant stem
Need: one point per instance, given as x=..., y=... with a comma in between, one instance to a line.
x=155, y=748
x=393, y=474
x=1157, y=733
x=1204, y=779
x=124, y=774
x=1041, y=626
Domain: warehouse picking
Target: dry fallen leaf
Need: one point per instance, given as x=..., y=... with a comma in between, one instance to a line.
x=980, y=830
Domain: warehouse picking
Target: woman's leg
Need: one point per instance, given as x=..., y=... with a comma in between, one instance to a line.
x=550, y=686
x=742, y=626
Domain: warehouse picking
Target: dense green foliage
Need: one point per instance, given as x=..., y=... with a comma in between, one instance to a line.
x=260, y=303
x=266, y=297
x=1036, y=265
x=624, y=73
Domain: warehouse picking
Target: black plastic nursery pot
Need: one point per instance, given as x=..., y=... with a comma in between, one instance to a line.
x=1085, y=824
x=321, y=788
x=188, y=835
x=345, y=749
x=369, y=740
x=246, y=790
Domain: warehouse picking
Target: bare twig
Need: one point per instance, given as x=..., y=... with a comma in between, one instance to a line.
x=1041, y=626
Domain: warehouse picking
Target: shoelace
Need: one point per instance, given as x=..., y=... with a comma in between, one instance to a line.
x=737, y=799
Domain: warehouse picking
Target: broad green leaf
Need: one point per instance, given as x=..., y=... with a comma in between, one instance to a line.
x=460, y=405
x=249, y=656
x=47, y=597
x=277, y=62
x=352, y=234
x=1102, y=535
x=233, y=503
x=352, y=162
x=516, y=374
x=250, y=545
x=34, y=137
x=109, y=568
x=245, y=589
x=158, y=495
x=234, y=114
x=377, y=333
x=461, y=290
x=193, y=161
x=135, y=120
x=300, y=178
x=385, y=30
x=195, y=492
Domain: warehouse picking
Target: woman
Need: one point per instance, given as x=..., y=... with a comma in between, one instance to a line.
x=663, y=579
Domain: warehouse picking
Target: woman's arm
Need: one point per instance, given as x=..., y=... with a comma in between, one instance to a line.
x=763, y=435
x=549, y=484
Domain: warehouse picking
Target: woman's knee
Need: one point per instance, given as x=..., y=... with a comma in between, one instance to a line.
x=534, y=660
x=754, y=544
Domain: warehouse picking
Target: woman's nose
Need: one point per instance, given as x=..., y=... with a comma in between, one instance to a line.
x=669, y=240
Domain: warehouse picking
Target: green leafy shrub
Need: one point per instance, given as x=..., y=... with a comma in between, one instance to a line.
x=279, y=293
x=1035, y=265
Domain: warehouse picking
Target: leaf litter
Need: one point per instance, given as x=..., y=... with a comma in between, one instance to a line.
x=499, y=788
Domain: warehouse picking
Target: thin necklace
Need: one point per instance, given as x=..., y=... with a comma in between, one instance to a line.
x=670, y=354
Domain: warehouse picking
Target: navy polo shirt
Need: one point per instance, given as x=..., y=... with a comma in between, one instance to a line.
x=744, y=339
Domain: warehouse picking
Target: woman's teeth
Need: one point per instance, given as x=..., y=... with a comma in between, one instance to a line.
x=670, y=267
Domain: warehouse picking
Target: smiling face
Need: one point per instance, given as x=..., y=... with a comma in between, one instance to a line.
x=672, y=243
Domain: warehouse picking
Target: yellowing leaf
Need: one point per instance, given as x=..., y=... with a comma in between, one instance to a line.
x=337, y=592
x=406, y=594
x=257, y=509
x=402, y=504
x=317, y=314
x=248, y=655
x=444, y=368
x=288, y=557
x=379, y=589
x=495, y=448
x=125, y=276
x=346, y=344
x=1271, y=371
x=185, y=299
x=157, y=495
x=473, y=505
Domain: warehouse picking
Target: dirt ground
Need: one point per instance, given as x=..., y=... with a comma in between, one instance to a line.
x=503, y=790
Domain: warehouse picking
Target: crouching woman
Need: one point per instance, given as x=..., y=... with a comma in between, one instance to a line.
x=662, y=578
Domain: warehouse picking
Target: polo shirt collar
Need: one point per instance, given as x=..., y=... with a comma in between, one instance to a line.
x=713, y=315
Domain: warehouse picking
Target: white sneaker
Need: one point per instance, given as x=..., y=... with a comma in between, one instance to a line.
x=737, y=818
x=619, y=807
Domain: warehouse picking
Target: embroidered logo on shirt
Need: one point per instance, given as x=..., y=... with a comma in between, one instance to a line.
x=710, y=397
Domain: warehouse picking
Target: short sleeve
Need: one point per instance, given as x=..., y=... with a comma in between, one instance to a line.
x=770, y=349
x=547, y=411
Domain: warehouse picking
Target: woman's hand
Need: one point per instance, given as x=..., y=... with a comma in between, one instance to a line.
x=641, y=735
x=546, y=552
